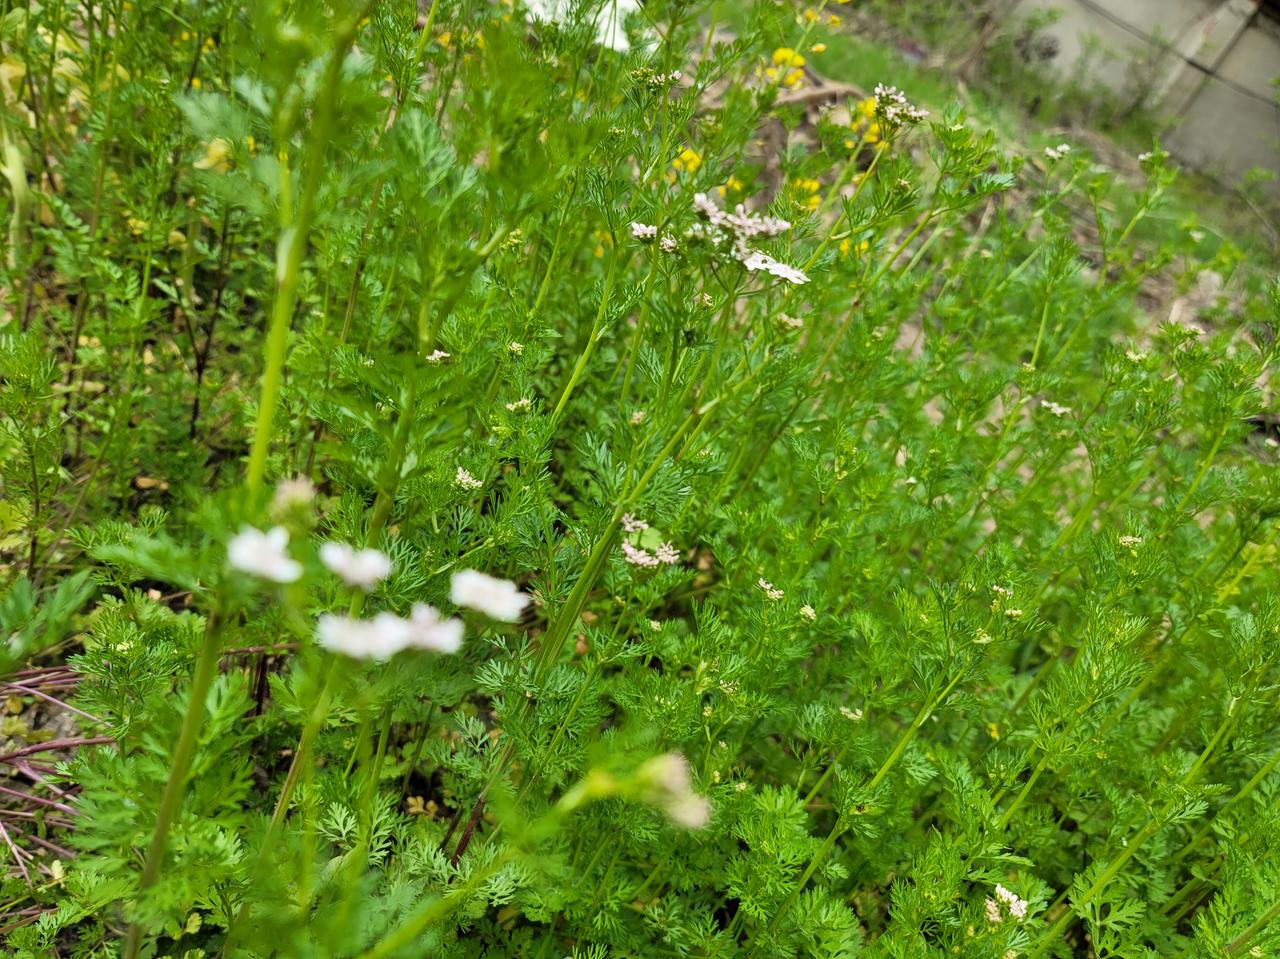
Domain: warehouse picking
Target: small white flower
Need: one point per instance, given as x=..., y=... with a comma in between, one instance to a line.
x=497, y=598
x=519, y=406
x=427, y=630
x=643, y=231
x=790, y=322
x=851, y=714
x=666, y=553
x=668, y=243
x=364, y=568
x=464, y=479
x=437, y=356
x=379, y=638
x=892, y=105
x=1056, y=409
x=1016, y=905
x=1133, y=356
x=263, y=554
x=637, y=417
x=770, y=590
x=755, y=260
x=515, y=347
x=1130, y=541
x=1058, y=152
x=633, y=525
x=638, y=557
x=808, y=612
x=293, y=493
x=992, y=908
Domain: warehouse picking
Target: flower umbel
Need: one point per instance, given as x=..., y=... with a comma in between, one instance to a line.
x=364, y=568
x=498, y=599
x=263, y=554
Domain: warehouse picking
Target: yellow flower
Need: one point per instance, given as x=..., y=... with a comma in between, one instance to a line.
x=847, y=246
x=137, y=227
x=873, y=133
x=808, y=185
x=177, y=238
x=196, y=84
x=818, y=48
x=786, y=57
x=833, y=20
x=444, y=38
x=688, y=161
x=217, y=155
x=252, y=144
x=810, y=15
x=867, y=107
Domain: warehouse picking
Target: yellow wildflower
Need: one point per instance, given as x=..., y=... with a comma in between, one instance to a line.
x=786, y=57
x=217, y=155
x=688, y=161
x=867, y=107
x=818, y=48
x=196, y=83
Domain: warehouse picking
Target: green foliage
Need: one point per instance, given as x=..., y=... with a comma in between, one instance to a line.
x=934, y=528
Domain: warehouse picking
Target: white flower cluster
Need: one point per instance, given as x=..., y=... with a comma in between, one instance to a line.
x=1017, y=907
x=1058, y=152
x=263, y=554
x=894, y=109
x=266, y=555
x=769, y=589
x=644, y=232
x=464, y=479
x=386, y=634
x=1056, y=409
x=364, y=568
x=666, y=554
x=742, y=226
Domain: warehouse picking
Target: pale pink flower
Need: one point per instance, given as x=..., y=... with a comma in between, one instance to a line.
x=498, y=599
x=427, y=630
x=638, y=557
x=379, y=638
x=263, y=554
x=364, y=568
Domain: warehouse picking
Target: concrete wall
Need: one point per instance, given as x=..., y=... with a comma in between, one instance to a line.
x=1214, y=127
x=1225, y=132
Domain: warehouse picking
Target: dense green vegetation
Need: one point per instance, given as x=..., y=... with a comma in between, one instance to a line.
x=491, y=481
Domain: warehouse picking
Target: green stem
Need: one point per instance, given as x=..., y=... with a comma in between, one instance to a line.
x=291, y=248
x=179, y=765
